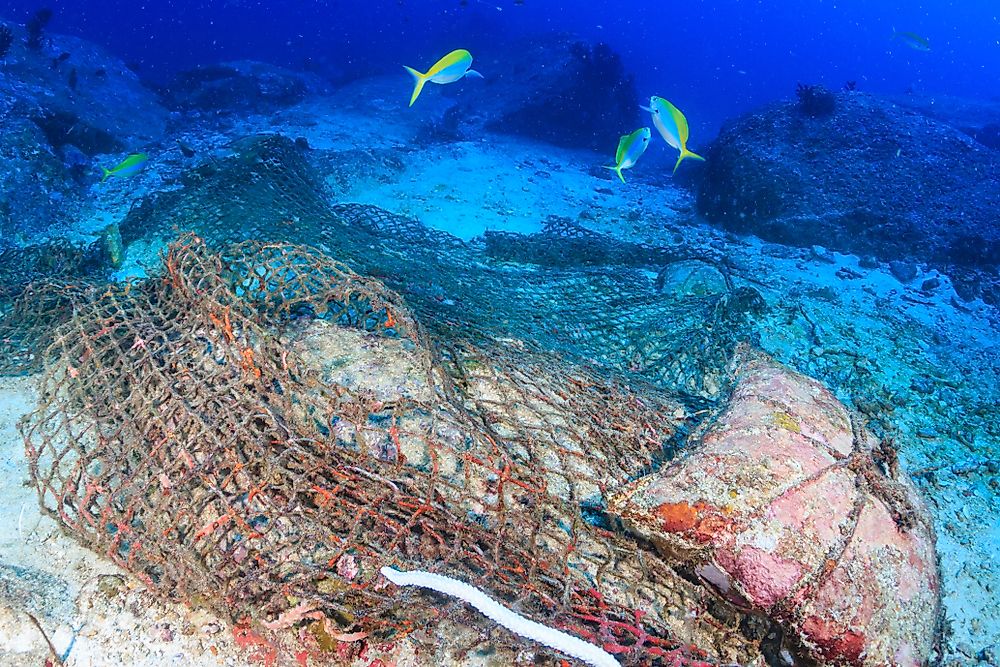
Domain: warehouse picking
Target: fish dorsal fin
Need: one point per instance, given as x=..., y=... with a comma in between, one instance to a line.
x=622, y=147
x=680, y=121
x=456, y=56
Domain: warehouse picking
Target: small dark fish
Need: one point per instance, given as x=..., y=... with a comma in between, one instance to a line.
x=72, y=79
x=101, y=73
x=63, y=57
x=186, y=150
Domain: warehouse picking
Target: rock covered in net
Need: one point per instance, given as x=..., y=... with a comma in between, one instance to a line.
x=789, y=507
x=260, y=430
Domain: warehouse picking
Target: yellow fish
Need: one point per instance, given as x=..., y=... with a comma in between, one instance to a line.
x=630, y=149
x=130, y=166
x=672, y=126
x=454, y=66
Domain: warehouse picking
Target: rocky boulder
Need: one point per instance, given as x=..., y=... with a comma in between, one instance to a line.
x=556, y=89
x=787, y=506
x=980, y=119
x=79, y=94
x=869, y=177
x=62, y=102
x=240, y=87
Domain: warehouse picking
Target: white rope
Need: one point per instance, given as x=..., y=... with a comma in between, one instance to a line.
x=564, y=643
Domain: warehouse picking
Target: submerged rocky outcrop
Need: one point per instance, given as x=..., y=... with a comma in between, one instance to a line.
x=557, y=89
x=870, y=177
x=786, y=505
x=239, y=87
x=63, y=101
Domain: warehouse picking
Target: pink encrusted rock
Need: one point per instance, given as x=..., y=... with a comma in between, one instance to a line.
x=788, y=507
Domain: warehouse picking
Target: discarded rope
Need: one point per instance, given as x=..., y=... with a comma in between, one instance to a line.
x=496, y=612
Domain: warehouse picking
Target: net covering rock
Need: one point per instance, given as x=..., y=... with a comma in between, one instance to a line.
x=788, y=506
x=261, y=429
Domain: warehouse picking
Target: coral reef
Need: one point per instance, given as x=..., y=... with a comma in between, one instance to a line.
x=874, y=179
x=56, y=120
x=817, y=101
x=36, y=27
x=36, y=192
x=6, y=39
x=988, y=135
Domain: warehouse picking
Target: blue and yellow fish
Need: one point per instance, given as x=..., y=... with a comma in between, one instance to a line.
x=452, y=67
x=130, y=166
x=912, y=40
x=630, y=149
x=672, y=126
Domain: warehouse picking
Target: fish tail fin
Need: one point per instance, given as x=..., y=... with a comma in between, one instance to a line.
x=617, y=170
x=685, y=154
x=107, y=172
x=418, y=83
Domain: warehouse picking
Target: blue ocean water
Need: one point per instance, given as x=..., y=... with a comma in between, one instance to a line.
x=720, y=58
x=840, y=213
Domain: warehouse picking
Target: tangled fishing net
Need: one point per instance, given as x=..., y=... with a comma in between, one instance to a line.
x=265, y=425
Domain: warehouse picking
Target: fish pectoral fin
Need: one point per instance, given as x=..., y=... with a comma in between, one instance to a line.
x=418, y=83
x=474, y=74
x=649, y=109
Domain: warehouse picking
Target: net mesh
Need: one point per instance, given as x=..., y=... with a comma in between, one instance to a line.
x=220, y=432
x=38, y=286
x=618, y=317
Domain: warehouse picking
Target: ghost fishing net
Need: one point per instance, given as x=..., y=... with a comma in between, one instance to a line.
x=211, y=432
x=266, y=424
x=38, y=286
x=598, y=302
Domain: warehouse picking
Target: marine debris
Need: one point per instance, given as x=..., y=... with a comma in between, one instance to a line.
x=785, y=504
x=586, y=652
x=266, y=477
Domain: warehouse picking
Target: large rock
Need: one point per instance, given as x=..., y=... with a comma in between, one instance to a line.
x=60, y=105
x=980, y=119
x=789, y=508
x=240, y=86
x=80, y=94
x=559, y=90
x=871, y=177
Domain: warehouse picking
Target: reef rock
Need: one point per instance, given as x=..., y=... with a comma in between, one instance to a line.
x=788, y=507
x=581, y=98
x=79, y=94
x=980, y=119
x=239, y=87
x=870, y=177
x=61, y=104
